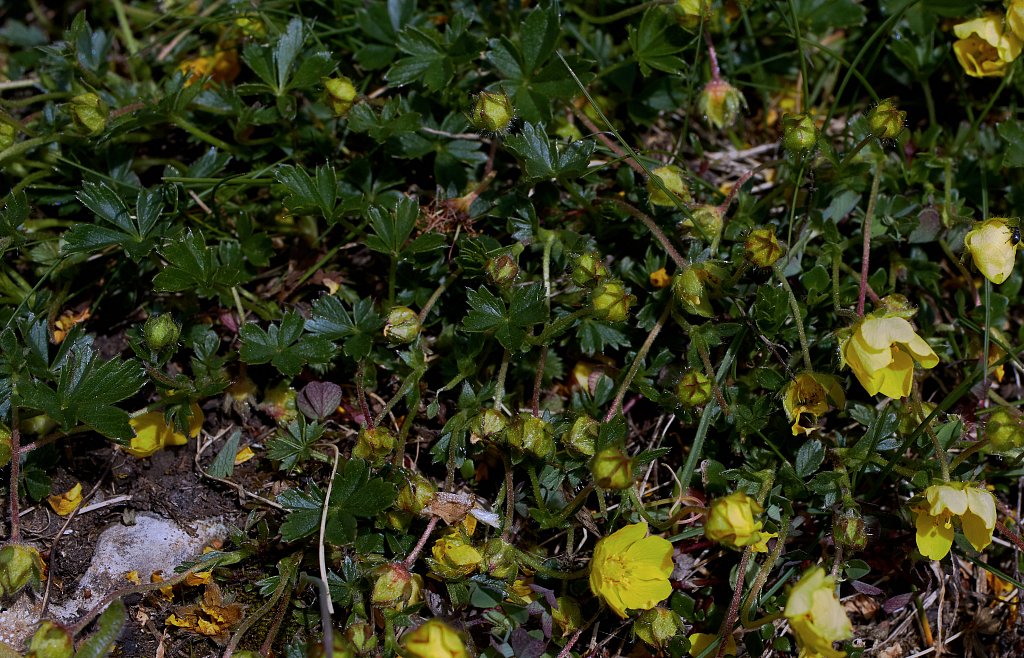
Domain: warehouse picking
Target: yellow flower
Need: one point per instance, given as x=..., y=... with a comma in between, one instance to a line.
x=433, y=639
x=67, y=502
x=811, y=394
x=454, y=557
x=222, y=66
x=992, y=249
x=881, y=352
x=660, y=278
x=1015, y=18
x=152, y=432
x=984, y=49
x=816, y=616
x=731, y=522
x=699, y=643
x=934, y=517
x=630, y=570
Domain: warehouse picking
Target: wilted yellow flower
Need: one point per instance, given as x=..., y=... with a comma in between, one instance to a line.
x=660, y=278
x=882, y=350
x=152, y=432
x=731, y=522
x=992, y=248
x=809, y=396
x=222, y=66
x=816, y=616
x=67, y=320
x=433, y=639
x=934, y=517
x=630, y=570
x=984, y=49
x=454, y=557
x=699, y=642
x=67, y=502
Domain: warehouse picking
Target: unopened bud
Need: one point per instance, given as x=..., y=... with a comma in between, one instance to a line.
x=20, y=565
x=886, y=120
x=251, y=26
x=690, y=13
x=720, y=103
x=490, y=423
x=395, y=587
x=342, y=648
x=502, y=271
x=848, y=529
x=612, y=469
x=762, y=247
x=588, y=270
x=161, y=331
x=51, y=641
x=403, y=325
x=672, y=178
x=362, y=637
x=454, y=557
x=610, y=301
x=707, y=220
x=532, y=435
x=341, y=95
x=657, y=626
x=1004, y=431
x=374, y=444
x=581, y=439
x=500, y=559
x=799, y=134
x=89, y=113
x=492, y=111
x=412, y=498
x=7, y=135
x=693, y=389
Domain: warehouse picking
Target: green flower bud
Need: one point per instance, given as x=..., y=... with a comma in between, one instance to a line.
x=1004, y=431
x=502, y=271
x=799, y=134
x=886, y=120
x=89, y=113
x=672, y=178
x=582, y=437
x=490, y=423
x=20, y=565
x=7, y=135
x=374, y=444
x=362, y=638
x=51, y=641
x=693, y=389
x=657, y=626
x=6, y=447
x=588, y=270
x=403, y=325
x=612, y=469
x=531, y=435
x=279, y=403
x=341, y=95
x=568, y=616
x=492, y=111
x=412, y=498
x=708, y=221
x=395, y=587
x=161, y=331
x=848, y=529
x=720, y=103
x=762, y=247
x=610, y=301
x=500, y=559
x=690, y=13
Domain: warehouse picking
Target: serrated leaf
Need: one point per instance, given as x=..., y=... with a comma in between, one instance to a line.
x=331, y=320
x=193, y=265
x=294, y=443
x=657, y=42
x=809, y=458
x=544, y=159
x=283, y=345
x=309, y=194
x=392, y=227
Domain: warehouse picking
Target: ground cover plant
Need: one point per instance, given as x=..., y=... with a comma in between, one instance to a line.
x=445, y=329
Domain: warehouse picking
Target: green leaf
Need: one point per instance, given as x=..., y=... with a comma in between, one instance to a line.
x=392, y=228
x=427, y=60
x=223, y=465
x=310, y=194
x=283, y=345
x=820, y=15
x=331, y=320
x=293, y=444
x=287, y=50
x=192, y=265
x=543, y=159
x=538, y=36
x=809, y=458
x=657, y=42
x=304, y=510
x=1012, y=134
x=108, y=630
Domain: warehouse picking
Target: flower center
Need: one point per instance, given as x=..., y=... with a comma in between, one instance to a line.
x=616, y=570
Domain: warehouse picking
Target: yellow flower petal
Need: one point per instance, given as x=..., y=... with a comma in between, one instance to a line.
x=67, y=502
x=816, y=616
x=991, y=249
x=881, y=352
x=944, y=498
x=934, y=535
x=631, y=571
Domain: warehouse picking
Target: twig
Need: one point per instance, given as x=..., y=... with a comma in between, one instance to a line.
x=644, y=349
x=323, y=524
x=410, y=559
x=659, y=235
x=15, y=465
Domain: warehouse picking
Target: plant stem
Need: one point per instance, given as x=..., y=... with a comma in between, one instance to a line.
x=625, y=13
x=794, y=306
x=15, y=467
x=537, y=564
x=655, y=230
x=425, y=311
x=635, y=366
x=321, y=552
x=764, y=572
x=538, y=378
x=940, y=452
x=200, y=134
x=866, y=253
x=361, y=394
x=410, y=559
x=510, y=499
x=499, y=387
x=734, y=605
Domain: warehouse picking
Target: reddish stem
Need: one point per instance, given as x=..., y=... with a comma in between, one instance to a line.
x=411, y=558
x=15, y=468
x=716, y=74
x=734, y=606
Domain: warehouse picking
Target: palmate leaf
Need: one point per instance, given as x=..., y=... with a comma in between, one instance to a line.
x=489, y=313
x=283, y=345
x=657, y=42
x=193, y=265
x=544, y=159
x=136, y=233
x=332, y=321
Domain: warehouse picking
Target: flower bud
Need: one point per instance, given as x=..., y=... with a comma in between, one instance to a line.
x=341, y=95
x=1004, y=431
x=251, y=26
x=612, y=469
x=694, y=389
x=51, y=641
x=374, y=444
x=707, y=220
x=20, y=565
x=403, y=325
x=720, y=103
x=7, y=135
x=531, y=435
x=454, y=557
x=690, y=13
x=568, y=616
x=588, y=270
x=279, y=403
x=688, y=289
x=500, y=559
x=89, y=113
x=762, y=247
x=848, y=529
x=490, y=423
x=610, y=301
x=433, y=639
x=885, y=120
x=672, y=178
x=361, y=636
x=492, y=112
x=730, y=521
x=657, y=626
x=395, y=587
x=502, y=271
x=160, y=331
x=582, y=437
x=799, y=134
x=6, y=447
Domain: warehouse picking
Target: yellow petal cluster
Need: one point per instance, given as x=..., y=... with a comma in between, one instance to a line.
x=816, y=616
x=731, y=522
x=66, y=503
x=152, y=432
x=699, y=643
x=881, y=351
x=454, y=557
x=985, y=48
x=992, y=249
x=433, y=639
x=975, y=507
x=809, y=396
x=630, y=570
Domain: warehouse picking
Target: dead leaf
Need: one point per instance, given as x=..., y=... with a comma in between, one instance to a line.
x=211, y=618
x=452, y=507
